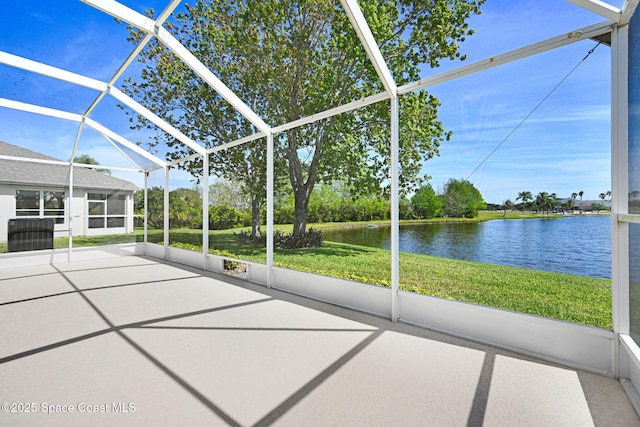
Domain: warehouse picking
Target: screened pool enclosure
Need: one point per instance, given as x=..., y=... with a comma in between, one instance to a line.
x=239, y=122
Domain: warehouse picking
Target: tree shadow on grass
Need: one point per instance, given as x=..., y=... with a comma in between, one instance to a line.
x=329, y=249
x=229, y=242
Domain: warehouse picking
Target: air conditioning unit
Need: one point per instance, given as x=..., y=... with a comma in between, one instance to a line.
x=30, y=234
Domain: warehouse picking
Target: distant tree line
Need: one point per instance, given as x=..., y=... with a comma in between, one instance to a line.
x=329, y=203
x=546, y=203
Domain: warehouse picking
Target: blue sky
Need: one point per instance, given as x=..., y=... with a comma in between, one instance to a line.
x=562, y=148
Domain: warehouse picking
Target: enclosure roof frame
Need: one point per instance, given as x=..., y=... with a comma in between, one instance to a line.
x=153, y=28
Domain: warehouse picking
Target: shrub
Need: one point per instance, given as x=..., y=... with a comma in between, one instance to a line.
x=223, y=217
x=311, y=239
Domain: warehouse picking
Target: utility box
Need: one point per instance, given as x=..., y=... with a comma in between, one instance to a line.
x=30, y=234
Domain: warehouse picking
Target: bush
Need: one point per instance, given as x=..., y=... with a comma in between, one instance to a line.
x=311, y=239
x=223, y=217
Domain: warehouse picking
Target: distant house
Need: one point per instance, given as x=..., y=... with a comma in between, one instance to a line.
x=101, y=204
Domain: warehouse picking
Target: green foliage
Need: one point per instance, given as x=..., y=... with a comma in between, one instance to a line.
x=327, y=204
x=88, y=160
x=289, y=60
x=155, y=206
x=426, y=203
x=185, y=210
x=525, y=196
x=223, y=217
x=461, y=199
x=312, y=238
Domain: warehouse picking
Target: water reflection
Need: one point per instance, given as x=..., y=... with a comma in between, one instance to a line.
x=579, y=245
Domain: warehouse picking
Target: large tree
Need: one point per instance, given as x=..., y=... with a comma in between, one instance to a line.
x=426, y=203
x=289, y=59
x=461, y=199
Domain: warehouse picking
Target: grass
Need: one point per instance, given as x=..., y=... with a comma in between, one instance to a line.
x=558, y=296
x=566, y=297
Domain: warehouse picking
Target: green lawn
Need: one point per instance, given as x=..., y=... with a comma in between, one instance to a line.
x=558, y=296
x=565, y=297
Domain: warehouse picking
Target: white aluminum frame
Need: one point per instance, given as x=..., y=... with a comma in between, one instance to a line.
x=622, y=356
x=147, y=25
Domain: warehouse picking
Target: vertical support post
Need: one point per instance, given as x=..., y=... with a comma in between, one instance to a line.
x=395, y=207
x=166, y=211
x=146, y=207
x=205, y=210
x=70, y=213
x=619, y=187
x=70, y=195
x=270, y=187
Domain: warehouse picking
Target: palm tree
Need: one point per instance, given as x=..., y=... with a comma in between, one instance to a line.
x=609, y=195
x=553, y=201
x=602, y=196
x=581, y=193
x=525, y=196
x=542, y=200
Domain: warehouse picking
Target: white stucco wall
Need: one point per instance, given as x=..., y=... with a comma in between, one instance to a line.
x=7, y=210
x=78, y=209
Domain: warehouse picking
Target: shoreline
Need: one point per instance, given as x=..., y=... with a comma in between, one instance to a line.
x=484, y=216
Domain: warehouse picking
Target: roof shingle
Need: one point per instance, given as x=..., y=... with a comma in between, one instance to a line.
x=52, y=175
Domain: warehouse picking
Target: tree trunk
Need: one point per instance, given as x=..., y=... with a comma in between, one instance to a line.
x=255, y=215
x=300, y=211
x=302, y=188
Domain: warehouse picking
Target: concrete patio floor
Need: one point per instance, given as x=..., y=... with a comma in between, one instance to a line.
x=137, y=341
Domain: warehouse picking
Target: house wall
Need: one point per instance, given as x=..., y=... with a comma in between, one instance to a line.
x=78, y=209
x=7, y=210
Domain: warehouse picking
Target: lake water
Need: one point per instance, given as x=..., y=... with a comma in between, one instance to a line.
x=579, y=245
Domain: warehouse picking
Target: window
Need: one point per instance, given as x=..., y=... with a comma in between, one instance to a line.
x=106, y=210
x=41, y=204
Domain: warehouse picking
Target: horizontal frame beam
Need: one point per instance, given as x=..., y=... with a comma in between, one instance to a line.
x=629, y=218
x=69, y=77
x=382, y=96
x=63, y=163
x=36, y=109
x=504, y=58
x=601, y=8
x=49, y=71
x=485, y=64
x=114, y=168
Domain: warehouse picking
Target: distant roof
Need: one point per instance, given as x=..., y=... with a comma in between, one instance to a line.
x=52, y=175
